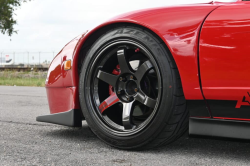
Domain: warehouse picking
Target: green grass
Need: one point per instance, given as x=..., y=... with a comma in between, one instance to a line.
x=11, y=78
x=22, y=82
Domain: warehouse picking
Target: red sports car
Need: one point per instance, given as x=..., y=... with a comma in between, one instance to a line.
x=143, y=78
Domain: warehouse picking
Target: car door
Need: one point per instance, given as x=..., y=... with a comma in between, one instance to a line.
x=224, y=56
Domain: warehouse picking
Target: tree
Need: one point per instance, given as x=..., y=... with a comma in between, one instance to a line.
x=7, y=22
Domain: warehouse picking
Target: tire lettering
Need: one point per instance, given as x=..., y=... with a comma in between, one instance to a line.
x=138, y=34
x=120, y=31
x=129, y=32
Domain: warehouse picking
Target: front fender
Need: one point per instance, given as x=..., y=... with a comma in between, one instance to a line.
x=178, y=27
x=57, y=77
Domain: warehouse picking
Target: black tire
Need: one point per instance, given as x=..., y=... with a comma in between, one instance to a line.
x=166, y=121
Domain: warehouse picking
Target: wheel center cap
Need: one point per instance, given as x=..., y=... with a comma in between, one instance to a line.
x=126, y=87
x=131, y=87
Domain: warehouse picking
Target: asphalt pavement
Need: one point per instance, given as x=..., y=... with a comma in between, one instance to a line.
x=23, y=141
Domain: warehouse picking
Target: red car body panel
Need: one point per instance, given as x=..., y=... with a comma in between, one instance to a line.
x=178, y=27
x=224, y=53
x=224, y=62
x=189, y=34
x=61, y=86
x=180, y=33
x=62, y=99
x=210, y=45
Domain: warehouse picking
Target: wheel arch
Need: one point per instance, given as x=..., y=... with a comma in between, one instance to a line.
x=177, y=27
x=92, y=36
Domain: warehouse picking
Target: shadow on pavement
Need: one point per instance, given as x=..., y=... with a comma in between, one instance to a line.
x=201, y=146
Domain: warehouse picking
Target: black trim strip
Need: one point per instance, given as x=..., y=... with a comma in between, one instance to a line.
x=197, y=108
x=227, y=108
x=219, y=128
x=72, y=118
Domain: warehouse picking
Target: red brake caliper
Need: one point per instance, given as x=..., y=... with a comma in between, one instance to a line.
x=112, y=99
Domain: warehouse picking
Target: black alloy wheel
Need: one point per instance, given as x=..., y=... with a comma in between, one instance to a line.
x=122, y=91
x=134, y=91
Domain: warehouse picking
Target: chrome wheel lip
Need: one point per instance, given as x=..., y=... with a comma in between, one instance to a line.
x=105, y=122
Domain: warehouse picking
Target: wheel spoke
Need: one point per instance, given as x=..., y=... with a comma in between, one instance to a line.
x=126, y=115
x=124, y=66
x=144, y=99
x=111, y=100
x=108, y=78
x=142, y=70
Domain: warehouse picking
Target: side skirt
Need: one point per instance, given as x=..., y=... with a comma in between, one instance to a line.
x=72, y=118
x=219, y=128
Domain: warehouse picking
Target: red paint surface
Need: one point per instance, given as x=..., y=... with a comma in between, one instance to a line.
x=54, y=76
x=61, y=90
x=62, y=99
x=57, y=76
x=179, y=28
x=225, y=53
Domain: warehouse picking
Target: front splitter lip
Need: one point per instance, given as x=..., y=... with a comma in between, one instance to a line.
x=72, y=118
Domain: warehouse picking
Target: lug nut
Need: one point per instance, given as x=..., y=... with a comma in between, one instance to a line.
x=122, y=79
x=136, y=90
